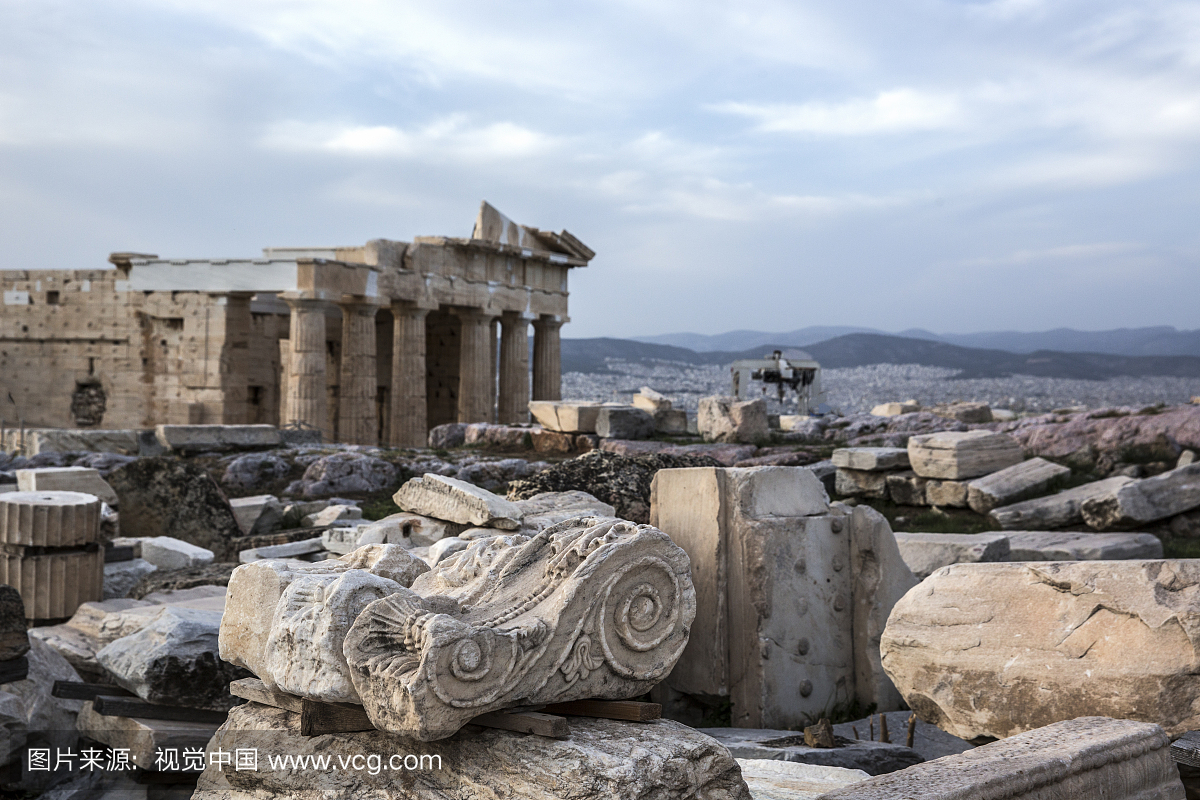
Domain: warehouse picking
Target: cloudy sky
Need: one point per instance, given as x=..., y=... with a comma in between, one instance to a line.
x=956, y=166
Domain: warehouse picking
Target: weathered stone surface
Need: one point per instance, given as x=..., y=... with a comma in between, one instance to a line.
x=929, y=741
x=649, y=400
x=803, y=427
x=871, y=459
x=956, y=455
x=907, y=488
x=786, y=780
x=165, y=496
x=257, y=591
x=566, y=417
x=1136, y=504
x=624, y=422
x=970, y=413
x=953, y=494
x=173, y=660
x=1116, y=638
x=1086, y=757
x=14, y=640
x=726, y=419
x=457, y=501
x=76, y=440
x=860, y=483
x=444, y=437
x=208, y=438
x=49, y=519
x=873, y=758
x=332, y=514
x=410, y=530
x=442, y=549
x=257, y=515
x=145, y=739
x=895, y=409
x=121, y=576
x=254, y=470
x=1072, y=546
x=1014, y=484
x=27, y=706
x=552, y=441
x=215, y=574
x=671, y=420
x=1056, y=511
x=53, y=583
x=620, y=481
x=591, y=607
x=66, y=479
x=344, y=473
x=550, y=508
x=925, y=553
x=509, y=437
x=166, y=552
x=295, y=549
x=497, y=475
x=603, y=760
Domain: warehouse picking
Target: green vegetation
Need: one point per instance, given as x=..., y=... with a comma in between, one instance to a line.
x=923, y=519
x=1181, y=548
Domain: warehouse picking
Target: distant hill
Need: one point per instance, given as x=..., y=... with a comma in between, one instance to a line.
x=863, y=349
x=1154, y=341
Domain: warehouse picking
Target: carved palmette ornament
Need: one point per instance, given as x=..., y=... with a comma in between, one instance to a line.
x=591, y=607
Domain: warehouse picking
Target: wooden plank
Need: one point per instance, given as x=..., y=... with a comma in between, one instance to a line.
x=139, y=709
x=537, y=722
x=628, y=710
x=15, y=669
x=78, y=690
x=317, y=718
x=255, y=690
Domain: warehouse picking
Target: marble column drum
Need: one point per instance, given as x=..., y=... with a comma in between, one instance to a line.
x=514, y=368
x=306, y=390
x=358, y=420
x=409, y=410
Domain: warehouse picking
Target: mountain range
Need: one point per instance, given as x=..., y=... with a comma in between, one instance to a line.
x=1154, y=341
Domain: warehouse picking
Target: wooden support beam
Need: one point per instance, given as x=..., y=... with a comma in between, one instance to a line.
x=317, y=718
x=15, y=669
x=628, y=710
x=139, y=709
x=79, y=690
x=526, y=722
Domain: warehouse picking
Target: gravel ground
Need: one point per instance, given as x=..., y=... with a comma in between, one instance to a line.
x=860, y=388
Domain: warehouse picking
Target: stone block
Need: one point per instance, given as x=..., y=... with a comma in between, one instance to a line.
x=566, y=417
x=340, y=540
x=1141, y=502
x=1086, y=757
x=550, y=508
x=28, y=707
x=907, y=488
x=456, y=501
x=1014, y=484
x=1074, y=546
x=624, y=422
x=287, y=550
x=929, y=740
x=75, y=440
x=14, y=640
x=786, y=780
x=726, y=419
x=859, y=483
x=331, y=515
x=552, y=441
x=956, y=455
x=444, y=437
x=145, y=739
x=49, y=519
x=54, y=583
x=925, y=553
x=895, y=409
x=173, y=660
x=1111, y=638
x=66, y=479
x=1056, y=511
x=205, y=438
x=507, y=437
x=442, y=549
x=410, y=530
x=1003, y=415
x=166, y=552
x=672, y=421
x=121, y=576
x=257, y=515
x=970, y=413
x=602, y=760
x=952, y=494
x=826, y=473
x=649, y=400
x=871, y=459
x=165, y=496
x=787, y=747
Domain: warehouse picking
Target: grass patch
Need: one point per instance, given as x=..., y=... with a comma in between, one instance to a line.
x=1181, y=548
x=378, y=506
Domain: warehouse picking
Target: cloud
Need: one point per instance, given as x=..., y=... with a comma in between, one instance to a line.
x=894, y=111
x=1068, y=252
x=450, y=138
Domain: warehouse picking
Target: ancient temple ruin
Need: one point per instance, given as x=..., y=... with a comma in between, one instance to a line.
x=370, y=344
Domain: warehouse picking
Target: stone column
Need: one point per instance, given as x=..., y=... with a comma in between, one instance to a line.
x=306, y=401
x=547, y=359
x=358, y=420
x=409, y=411
x=474, y=366
x=514, y=367
x=493, y=364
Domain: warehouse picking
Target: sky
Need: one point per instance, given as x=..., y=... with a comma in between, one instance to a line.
x=953, y=166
